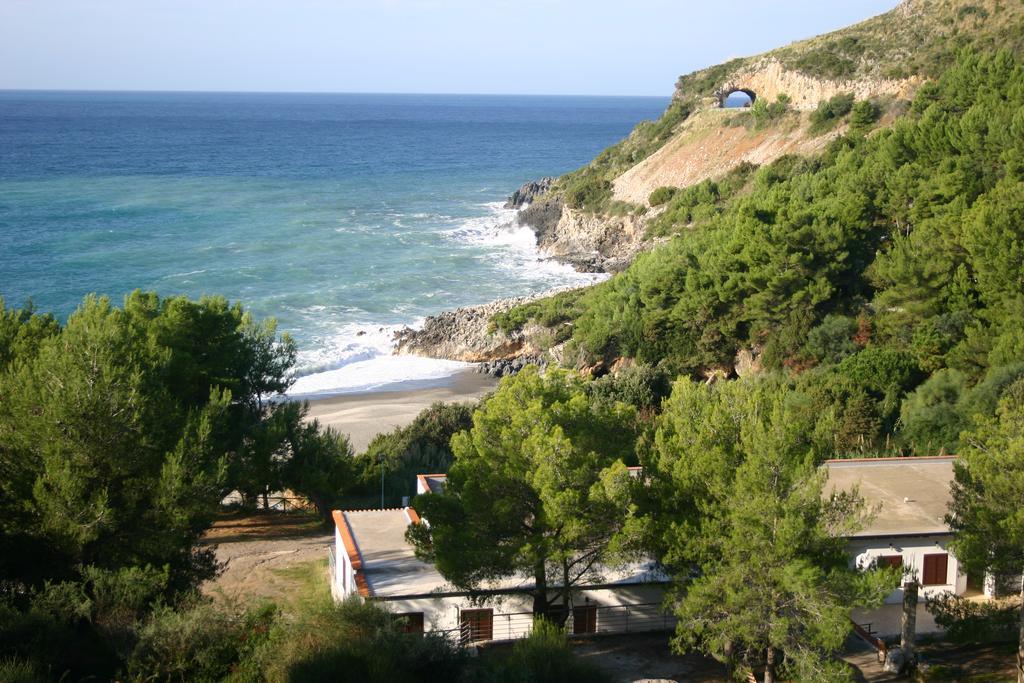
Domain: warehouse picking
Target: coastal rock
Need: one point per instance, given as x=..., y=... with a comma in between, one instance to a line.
x=593, y=243
x=506, y=367
x=527, y=192
x=466, y=334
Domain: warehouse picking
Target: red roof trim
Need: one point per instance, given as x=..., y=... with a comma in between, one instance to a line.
x=348, y=540
x=414, y=518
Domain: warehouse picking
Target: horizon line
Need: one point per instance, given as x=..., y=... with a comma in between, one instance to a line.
x=317, y=92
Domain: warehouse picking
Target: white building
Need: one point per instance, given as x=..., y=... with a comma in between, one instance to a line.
x=910, y=497
x=372, y=559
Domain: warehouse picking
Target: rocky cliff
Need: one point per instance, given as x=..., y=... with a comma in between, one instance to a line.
x=466, y=334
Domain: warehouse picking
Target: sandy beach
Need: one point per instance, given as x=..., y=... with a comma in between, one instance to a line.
x=363, y=416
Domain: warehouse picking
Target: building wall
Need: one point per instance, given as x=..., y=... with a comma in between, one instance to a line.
x=343, y=581
x=634, y=608
x=913, y=551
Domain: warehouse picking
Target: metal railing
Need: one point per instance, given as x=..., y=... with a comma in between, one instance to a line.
x=603, y=620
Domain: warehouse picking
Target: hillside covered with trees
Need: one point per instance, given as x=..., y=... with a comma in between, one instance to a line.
x=885, y=273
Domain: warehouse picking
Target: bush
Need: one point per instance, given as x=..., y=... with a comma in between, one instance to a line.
x=642, y=386
x=418, y=448
x=19, y=671
x=931, y=418
x=203, y=643
x=661, y=195
x=832, y=340
x=542, y=657
x=829, y=112
x=966, y=621
x=864, y=115
x=354, y=642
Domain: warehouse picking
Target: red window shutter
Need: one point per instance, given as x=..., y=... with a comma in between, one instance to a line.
x=936, y=569
x=890, y=561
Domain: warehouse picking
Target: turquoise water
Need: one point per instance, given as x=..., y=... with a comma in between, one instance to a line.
x=343, y=216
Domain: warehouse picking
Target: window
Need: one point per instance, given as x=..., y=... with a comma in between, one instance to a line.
x=412, y=622
x=890, y=561
x=935, y=569
x=477, y=624
x=584, y=619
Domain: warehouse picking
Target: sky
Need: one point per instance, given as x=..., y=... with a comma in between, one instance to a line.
x=567, y=47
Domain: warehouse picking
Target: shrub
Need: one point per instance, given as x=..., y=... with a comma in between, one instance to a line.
x=418, y=448
x=864, y=115
x=202, y=643
x=542, y=657
x=642, y=386
x=661, y=195
x=966, y=621
x=830, y=112
x=832, y=340
x=20, y=671
x=352, y=641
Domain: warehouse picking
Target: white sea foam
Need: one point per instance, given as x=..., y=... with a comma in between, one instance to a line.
x=360, y=356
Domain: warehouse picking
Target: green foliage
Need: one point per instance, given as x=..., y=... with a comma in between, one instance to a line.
x=915, y=233
x=422, y=447
x=550, y=311
x=734, y=484
x=661, y=195
x=931, y=419
x=699, y=203
x=642, y=386
x=967, y=621
x=985, y=513
x=351, y=641
x=830, y=112
x=544, y=656
x=205, y=642
x=18, y=671
x=864, y=115
x=539, y=450
x=832, y=340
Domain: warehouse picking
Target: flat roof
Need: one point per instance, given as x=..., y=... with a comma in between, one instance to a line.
x=388, y=565
x=911, y=495
x=389, y=562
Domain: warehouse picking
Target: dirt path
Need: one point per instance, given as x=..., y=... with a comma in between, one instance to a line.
x=266, y=556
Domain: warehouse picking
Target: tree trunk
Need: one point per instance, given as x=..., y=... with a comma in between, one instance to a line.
x=769, y=666
x=266, y=501
x=1020, y=636
x=540, y=590
x=908, y=630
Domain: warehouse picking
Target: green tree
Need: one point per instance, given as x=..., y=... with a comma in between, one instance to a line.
x=422, y=447
x=118, y=432
x=738, y=512
x=539, y=487
x=987, y=510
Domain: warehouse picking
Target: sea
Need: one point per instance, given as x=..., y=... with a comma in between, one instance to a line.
x=343, y=216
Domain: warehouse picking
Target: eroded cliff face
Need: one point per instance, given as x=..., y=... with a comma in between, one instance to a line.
x=592, y=243
x=767, y=78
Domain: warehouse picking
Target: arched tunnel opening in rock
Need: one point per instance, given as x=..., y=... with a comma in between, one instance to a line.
x=738, y=99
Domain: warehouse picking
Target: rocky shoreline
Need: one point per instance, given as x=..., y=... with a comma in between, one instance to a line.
x=466, y=334
x=590, y=244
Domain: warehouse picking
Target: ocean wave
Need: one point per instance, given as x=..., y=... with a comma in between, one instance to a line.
x=359, y=357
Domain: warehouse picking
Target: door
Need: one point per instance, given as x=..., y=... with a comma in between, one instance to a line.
x=477, y=624
x=935, y=569
x=584, y=619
